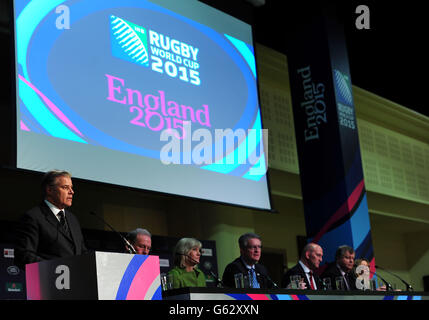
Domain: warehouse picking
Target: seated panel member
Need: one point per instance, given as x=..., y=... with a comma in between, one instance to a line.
x=250, y=252
x=141, y=240
x=186, y=258
x=50, y=230
x=342, y=267
x=311, y=257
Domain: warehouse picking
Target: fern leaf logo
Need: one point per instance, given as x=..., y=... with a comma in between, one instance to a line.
x=129, y=41
x=342, y=85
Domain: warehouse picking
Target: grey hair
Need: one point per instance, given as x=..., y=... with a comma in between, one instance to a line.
x=50, y=177
x=244, y=239
x=182, y=248
x=132, y=235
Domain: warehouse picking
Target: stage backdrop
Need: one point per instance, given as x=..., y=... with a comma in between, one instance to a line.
x=333, y=188
x=143, y=94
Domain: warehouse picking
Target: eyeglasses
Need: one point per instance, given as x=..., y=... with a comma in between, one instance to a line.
x=254, y=247
x=144, y=247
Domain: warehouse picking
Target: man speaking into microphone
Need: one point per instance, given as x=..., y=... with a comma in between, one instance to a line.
x=50, y=230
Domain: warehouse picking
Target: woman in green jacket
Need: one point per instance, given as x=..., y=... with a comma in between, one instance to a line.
x=186, y=257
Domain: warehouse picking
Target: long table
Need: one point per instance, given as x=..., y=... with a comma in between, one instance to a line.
x=287, y=294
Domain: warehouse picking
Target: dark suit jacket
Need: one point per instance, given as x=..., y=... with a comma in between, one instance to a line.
x=298, y=270
x=238, y=266
x=41, y=237
x=332, y=272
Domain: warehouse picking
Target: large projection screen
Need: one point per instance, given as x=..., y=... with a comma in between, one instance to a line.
x=154, y=95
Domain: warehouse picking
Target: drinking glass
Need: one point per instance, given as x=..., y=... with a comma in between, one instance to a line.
x=239, y=280
x=294, y=281
x=327, y=285
x=339, y=283
x=166, y=281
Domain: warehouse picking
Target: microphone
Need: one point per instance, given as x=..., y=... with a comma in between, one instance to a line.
x=127, y=243
x=218, y=281
x=268, y=278
x=407, y=285
x=185, y=255
x=388, y=285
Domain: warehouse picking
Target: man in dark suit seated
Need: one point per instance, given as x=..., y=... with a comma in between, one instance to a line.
x=311, y=257
x=50, y=230
x=141, y=240
x=247, y=264
x=342, y=267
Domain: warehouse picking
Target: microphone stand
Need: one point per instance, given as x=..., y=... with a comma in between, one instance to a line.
x=128, y=244
x=269, y=279
x=407, y=285
x=218, y=281
x=388, y=285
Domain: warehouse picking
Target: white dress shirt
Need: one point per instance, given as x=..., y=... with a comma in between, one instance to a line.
x=307, y=274
x=54, y=209
x=344, y=277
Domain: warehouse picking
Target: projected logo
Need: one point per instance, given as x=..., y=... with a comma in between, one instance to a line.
x=344, y=97
x=124, y=107
x=129, y=41
x=168, y=56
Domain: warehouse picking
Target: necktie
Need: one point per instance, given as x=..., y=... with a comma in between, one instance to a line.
x=63, y=221
x=254, y=281
x=311, y=281
x=346, y=282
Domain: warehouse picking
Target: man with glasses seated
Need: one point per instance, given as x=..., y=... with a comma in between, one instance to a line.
x=141, y=240
x=247, y=264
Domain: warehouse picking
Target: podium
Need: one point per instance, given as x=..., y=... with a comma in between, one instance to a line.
x=95, y=276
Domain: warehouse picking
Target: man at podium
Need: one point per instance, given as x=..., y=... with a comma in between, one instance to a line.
x=50, y=230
